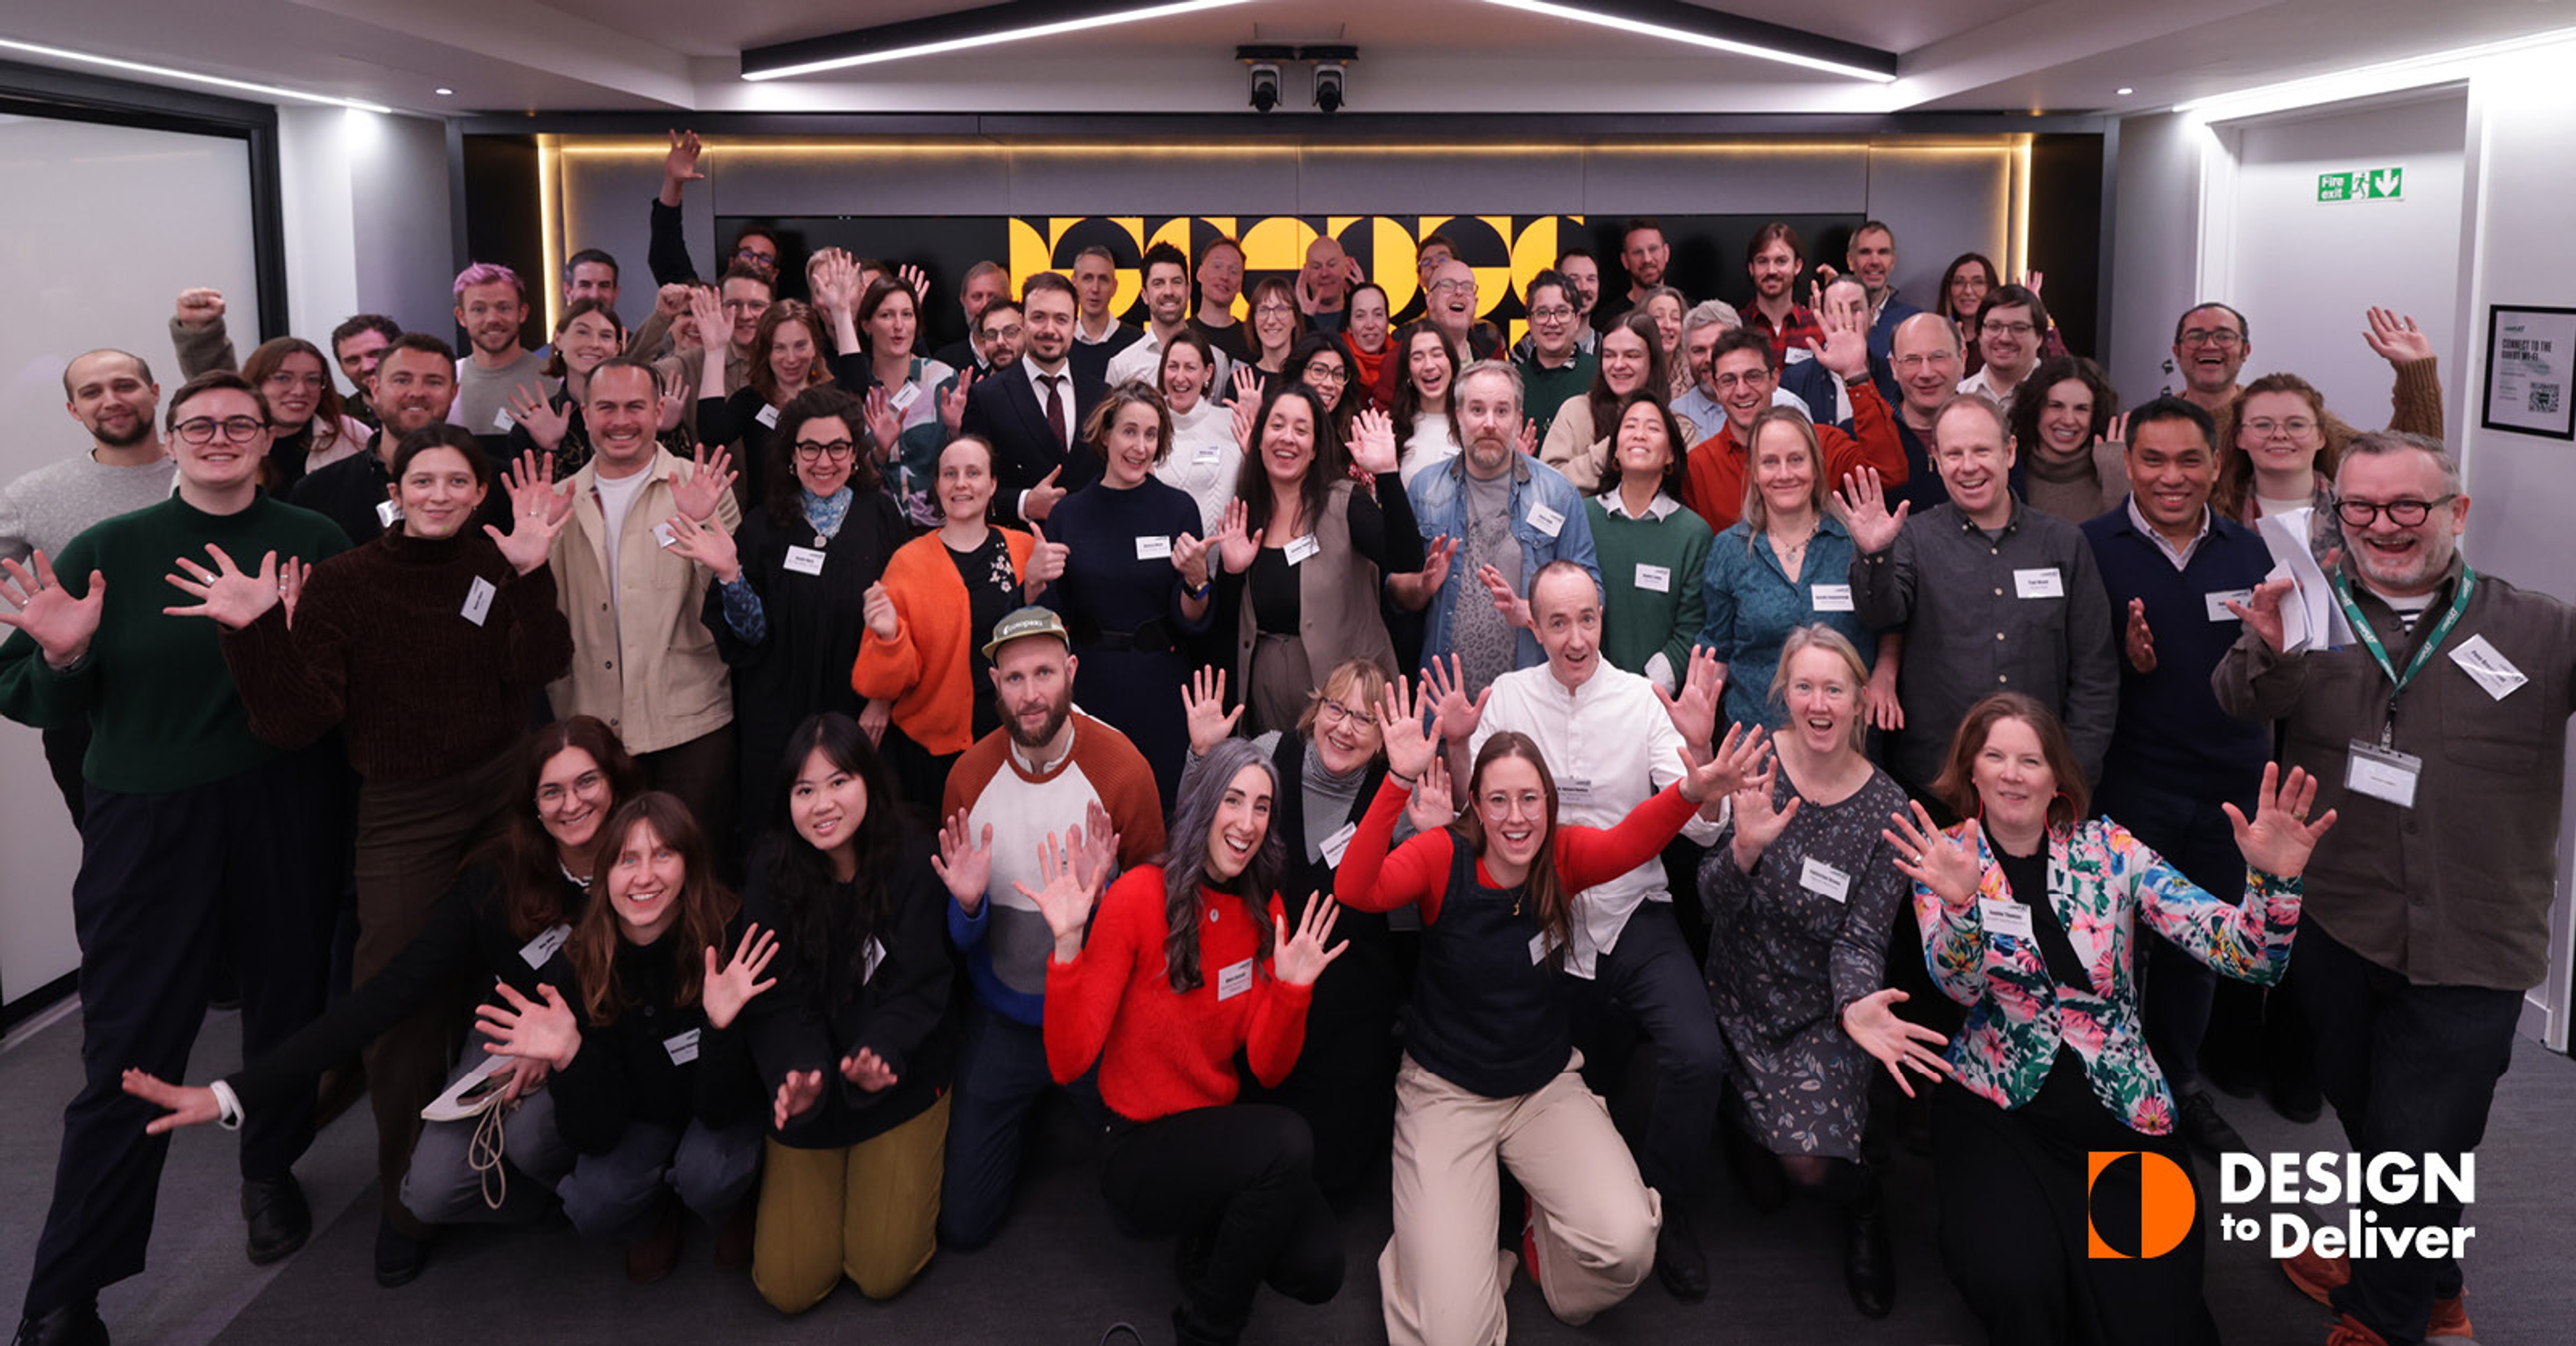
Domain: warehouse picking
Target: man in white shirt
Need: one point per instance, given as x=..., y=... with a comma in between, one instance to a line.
x=1612, y=741
x=1167, y=311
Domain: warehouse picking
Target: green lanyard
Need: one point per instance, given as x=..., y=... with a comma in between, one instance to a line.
x=2423, y=653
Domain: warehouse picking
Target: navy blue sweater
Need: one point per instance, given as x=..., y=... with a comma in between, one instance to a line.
x=2170, y=729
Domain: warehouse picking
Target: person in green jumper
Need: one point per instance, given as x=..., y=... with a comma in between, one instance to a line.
x=1652, y=550
x=198, y=837
x=1554, y=367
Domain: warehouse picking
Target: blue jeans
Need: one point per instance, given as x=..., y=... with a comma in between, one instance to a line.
x=1001, y=1074
x=619, y=1195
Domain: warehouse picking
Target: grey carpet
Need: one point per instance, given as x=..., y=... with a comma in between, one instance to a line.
x=1060, y=1274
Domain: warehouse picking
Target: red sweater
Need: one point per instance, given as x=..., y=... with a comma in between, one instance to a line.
x=1418, y=872
x=1162, y=1051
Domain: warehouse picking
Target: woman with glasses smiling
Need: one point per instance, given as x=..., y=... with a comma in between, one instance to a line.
x=1318, y=362
x=305, y=411
x=2279, y=445
x=1275, y=329
x=790, y=598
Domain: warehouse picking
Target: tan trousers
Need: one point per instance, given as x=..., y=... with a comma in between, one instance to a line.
x=1594, y=1220
x=870, y=1212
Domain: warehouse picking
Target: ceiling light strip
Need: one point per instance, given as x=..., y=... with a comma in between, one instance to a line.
x=754, y=72
x=1691, y=37
x=191, y=76
x=2363, y=81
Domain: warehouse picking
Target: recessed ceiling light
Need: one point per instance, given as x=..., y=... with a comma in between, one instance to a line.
x=450, y=93
x=165, y=72
x=2125, y=91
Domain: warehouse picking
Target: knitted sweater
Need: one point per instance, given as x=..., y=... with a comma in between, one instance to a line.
x=928, y=669
x=45, y=509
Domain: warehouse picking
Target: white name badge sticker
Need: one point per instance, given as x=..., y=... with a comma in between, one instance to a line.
x=1207, y=457
x=536, y=951
x=2217, y=603
x=869, y=957
x=1832, y=597
x=805, y=560
x=683, y=1047
x=1153, y=549
x=388, y=513
x=1654, y=579
x=2044, y=582
x=1545, y=520
x=1299, y=548
x=662, y=534
x=2382, y=773
x=1538, y=948
x=1823, y=879
x=768, y=416
x=2005, y=918
x=478, y=600
x=1233, y=980
x=501, y=420
x=1573, y=790
x=2493, y=673
x=903, y=398
x=1339, y=842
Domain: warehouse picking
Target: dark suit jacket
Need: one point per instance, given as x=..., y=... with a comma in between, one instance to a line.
x=1004, y=408
x=960, y=355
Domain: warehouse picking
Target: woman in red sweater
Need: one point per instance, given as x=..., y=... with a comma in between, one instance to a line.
x=1166, y=990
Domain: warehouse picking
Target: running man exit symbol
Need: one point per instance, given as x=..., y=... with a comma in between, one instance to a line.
x=2368, y=184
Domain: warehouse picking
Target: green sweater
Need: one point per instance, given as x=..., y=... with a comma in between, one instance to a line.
x=1637, y=621
x=163, y=713
x=1543, y=390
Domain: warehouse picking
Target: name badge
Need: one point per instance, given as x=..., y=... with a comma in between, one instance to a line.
x=1654, y=579
x=478, y=600
x=768, y=416
x=869, y=957
x=501, y=420
x=1208, y=457
x=1299, y=548
x=1570, y=790
x=1539, y=947
x=1234, y=979
x=683, y=1047
x=2493, y=673
x=1545, y=520
x=2005, y=918
x=1339, y=842
x=662, y=534
x=2216, y=603
x=2041, y=583
x=388, y=513
x=805, y=560
x=1153, y=549
x=901, y=399
x=2382, y=773
x=1823, y=879
x=1834, y=597
x=536, y=951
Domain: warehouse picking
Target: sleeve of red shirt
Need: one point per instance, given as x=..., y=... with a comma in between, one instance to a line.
x=1873, y=439
x=1589, y=855
x=1278, y=1029
x=1082, y=996
x=1369, y=879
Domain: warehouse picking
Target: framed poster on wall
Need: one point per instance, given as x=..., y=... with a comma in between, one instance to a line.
x=2531, y=354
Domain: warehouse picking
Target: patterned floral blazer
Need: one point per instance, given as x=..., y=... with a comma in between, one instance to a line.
x=2100, y=880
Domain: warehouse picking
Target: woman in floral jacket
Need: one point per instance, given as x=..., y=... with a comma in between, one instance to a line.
x=2052, y=1065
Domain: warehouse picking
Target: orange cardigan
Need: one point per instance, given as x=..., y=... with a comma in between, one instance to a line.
x=928, y=669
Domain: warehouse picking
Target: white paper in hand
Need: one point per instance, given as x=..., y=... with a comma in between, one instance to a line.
x=2310, y=617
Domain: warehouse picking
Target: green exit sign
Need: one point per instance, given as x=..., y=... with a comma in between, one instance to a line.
x=2367, y=184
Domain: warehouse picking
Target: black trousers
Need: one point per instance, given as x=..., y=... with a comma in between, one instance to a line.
x=248, y=866
x=65, y=746
x=2177, y=990
x=1652, y=980
x=702, y=773
x=2410, y=1070
x=1240, y=1180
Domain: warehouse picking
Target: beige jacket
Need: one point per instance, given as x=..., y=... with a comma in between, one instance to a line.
x=644, y=663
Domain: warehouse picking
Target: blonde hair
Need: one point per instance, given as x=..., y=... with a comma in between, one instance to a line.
x=1757, y=510
x=1817, y=636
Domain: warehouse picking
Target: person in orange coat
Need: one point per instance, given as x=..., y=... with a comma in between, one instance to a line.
x=1743, y=372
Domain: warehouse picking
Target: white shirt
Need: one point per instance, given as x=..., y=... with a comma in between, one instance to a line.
x=2180, y=558
x=1205, y=461
x=1433, y=442
x=1143, y=362
x=1610, y=747
x=1062, y=381
x=1979, y=382
x=616, y=497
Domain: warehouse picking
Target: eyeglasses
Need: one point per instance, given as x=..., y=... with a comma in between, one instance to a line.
x=1467, y=285
x=2221, y=337
x=1329, y=713
x=1010, y=333
x=2018, y=329
x=1326, y=374
x=2403, y=513
x=756, y=255
x=550, y=795
x=2296, y=427
x=1910, y=363
x=1557, y=313
x=1730, y=382
x=202, y=430
x=1273, y=311
x=838, y=450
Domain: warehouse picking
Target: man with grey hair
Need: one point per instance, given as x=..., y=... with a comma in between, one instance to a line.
x=1508, y=513
x=2438, y=737
x=1926, y=359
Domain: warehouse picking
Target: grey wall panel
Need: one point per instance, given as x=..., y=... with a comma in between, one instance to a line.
x=1940, y=203
x=968, y=177
x=1479, y=180
x=1791, y=179
x=1249, y=179
x=404, y=226
x=2156, y=267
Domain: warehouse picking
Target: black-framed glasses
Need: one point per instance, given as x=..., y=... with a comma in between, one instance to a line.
x=1327, y=374
x=838, y=450
x=2403, y=513
x=2221, y=337
x=1553, y=313
x=202, y=430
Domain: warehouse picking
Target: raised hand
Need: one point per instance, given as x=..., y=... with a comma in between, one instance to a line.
x=884, y=622
x=707, y=545
x=867, y=1070
x=672, y=301
x=233, y=598
x=710, y=478
x=725, y=990
x=916, y=280
x=952, y=403
x=1863, y=504
x=1411, y=745
x=964, y=862
x=32, y=601
x=1933, y=858
x=537, y=514
x=707, y=315
x=181, y=1105
x=1900, y=1046
x=680, y=165
x=1203, y=709
x=1694, y=712
x=540, y=1030
x=1247, y=416
x=885, y=424
x=1845, y=349
x=1299, y=960
x=1738, y=761
x=1437, y=555
x=1373, y=442
x=2280, y=838
x=2392, y=338
x=1457, y=714
x=835, y=276
x=200, y=307
x=2139, y=641
x=1191, y=557
x=1095, y=846
x=2030, y=280
x=797, y=1095
x=2262, y=612
x=539, y=416
x=1527, y=443
x=1515, y=609
x=1757, y=822
x=1047, y=560
x=1063, y=896
x=1433, y=806
x=1040, y=500
x=2117, y=432
x=1247, y=388
x=1236, y=549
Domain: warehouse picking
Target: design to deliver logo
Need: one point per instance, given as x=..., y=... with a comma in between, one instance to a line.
x=2147, y=1199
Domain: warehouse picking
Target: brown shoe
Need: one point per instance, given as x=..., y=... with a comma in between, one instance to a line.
x=2317, y=1276
x=2450, y=1317
x=651, y=1258
x=733, y=1241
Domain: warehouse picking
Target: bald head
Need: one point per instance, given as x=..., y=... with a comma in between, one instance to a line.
x=1327, y=275
x=1924, y=353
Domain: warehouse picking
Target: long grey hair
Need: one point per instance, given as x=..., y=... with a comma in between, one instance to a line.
x=1185, y=867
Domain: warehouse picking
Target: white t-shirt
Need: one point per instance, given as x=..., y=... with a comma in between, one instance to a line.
x=616, y=498
x=1432, y=443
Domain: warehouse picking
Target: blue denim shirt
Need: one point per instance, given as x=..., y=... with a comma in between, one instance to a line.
x=1439, y=506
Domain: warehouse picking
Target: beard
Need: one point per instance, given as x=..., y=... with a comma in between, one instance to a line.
x=1056, y=716
x=125, y=439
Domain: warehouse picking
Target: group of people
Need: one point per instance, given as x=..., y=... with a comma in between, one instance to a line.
x=1323, y=752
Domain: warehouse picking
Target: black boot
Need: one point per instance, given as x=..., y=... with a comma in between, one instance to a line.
x=71, y=1325
x=1756, y=1170
x=1869, y=1265
x=1679, y=1263
x=399, y=1256
x=279, y=1219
